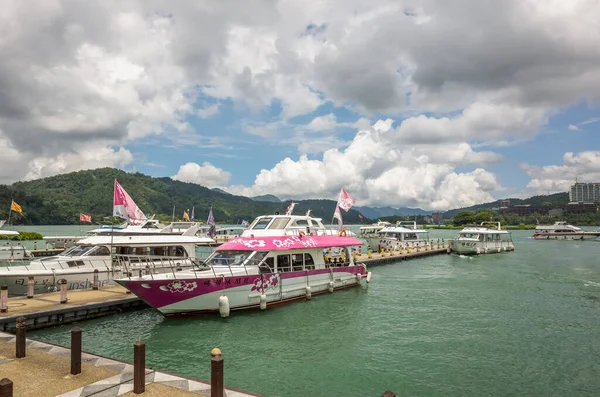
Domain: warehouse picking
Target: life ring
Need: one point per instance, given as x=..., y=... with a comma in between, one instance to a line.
x=343, y=233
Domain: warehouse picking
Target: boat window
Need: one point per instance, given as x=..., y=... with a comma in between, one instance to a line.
x=255, y=259
x=268, y=265
x=228, y=258
x=100, y=251
x=300, y=222
x=297, y=264
x=309, y=263
x=279, y=223
x=261, y=223
x=78, y=250
x=283, y=263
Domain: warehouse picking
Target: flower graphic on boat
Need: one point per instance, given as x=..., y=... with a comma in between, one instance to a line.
x=250, y=243
x=182, y=286
x=288, y=242
x=270, y=281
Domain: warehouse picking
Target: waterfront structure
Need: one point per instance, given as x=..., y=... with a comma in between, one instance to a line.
x=584, y=192
x=482, y=239
x=580, y=208
x=399, y=237
x=563, y=231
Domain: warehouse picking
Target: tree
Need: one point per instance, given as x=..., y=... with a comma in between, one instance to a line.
x=484, y=216
x=463, y=218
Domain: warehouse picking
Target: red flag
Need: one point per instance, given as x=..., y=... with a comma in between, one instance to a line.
x=360, y=216
x=345, y=201
x=85, y=218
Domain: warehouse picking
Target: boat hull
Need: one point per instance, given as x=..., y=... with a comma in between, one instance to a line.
x=193, y=296
x=475, y=248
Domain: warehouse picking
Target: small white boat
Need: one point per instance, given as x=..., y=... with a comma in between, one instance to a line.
x=395, y=237
x=223, y=234
x=474, y=240
x=370, y=233
x=563, y=231
x=155, y=254
x=11, y=250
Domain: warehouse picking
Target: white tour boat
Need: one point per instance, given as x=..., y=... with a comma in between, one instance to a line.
x=11, y=250
x=399, y=236
x=369, y=232
x=223, y=234
x=481, y=239
x=76, y=266
x=563, y=231
x=249, y=272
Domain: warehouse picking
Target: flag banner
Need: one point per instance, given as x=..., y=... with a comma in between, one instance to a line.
x=360, y=216
x=337, y=214
x=16, y=207
x=212, y=231
x=245, y=223
x=345, y=201
x=85, y=218
x=186, y=216
x=124, y=206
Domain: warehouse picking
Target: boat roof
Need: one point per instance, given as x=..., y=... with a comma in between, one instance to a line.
x=144, y=240
x=286, y=243
x=483, y=230
x=8, y=233
x=401, y=229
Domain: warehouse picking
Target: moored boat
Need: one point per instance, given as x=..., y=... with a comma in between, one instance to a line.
x=77, y=265
x=399, y=236
x=563, y=231
x=252, y=272
x=481, y=239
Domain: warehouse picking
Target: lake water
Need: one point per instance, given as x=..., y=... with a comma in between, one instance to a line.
x=524, y=323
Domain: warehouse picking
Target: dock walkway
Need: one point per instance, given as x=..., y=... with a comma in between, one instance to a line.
x=45, y=371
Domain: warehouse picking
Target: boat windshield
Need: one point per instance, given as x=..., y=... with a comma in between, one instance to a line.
x=236, y=258
x=78, y=250
x=260, y=223
x=470, y=236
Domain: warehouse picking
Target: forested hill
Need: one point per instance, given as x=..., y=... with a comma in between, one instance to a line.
x=58, y=200
x=552, y=200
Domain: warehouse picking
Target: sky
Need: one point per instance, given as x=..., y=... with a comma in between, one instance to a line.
x=431, y=103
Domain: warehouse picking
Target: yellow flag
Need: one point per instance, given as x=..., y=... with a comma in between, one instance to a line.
x=16, y=207
x=186, y=216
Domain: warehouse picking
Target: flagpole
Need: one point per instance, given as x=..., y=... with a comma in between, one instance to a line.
x=173, y=218
x=9, y=212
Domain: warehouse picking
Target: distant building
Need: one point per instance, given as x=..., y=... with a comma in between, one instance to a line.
x=580, y=208
x=524, y=210
x=584, y=192
x=504, y=203
x=556, y=212
x=436, y=217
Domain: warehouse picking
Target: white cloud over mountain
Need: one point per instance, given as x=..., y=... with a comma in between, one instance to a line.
x=80, y=81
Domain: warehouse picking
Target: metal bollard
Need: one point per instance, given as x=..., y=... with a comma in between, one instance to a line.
x=21, y=338
x=216, y=373
x=139, y=367
x=6, y=388
x=75, y=351
x=4, y=299
x=96, y=280
x=63, y=291
x=30, y=287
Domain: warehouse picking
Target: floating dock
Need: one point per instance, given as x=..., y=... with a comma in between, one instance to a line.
x=395, y=256
x=45, y=310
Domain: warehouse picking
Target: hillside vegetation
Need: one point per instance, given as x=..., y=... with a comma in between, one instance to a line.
x=58, y=200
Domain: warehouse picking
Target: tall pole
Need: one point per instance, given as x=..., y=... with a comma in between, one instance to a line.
x=9, y=212
x=173, y=218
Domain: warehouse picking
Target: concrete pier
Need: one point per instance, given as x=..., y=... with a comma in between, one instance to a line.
x=45, y=310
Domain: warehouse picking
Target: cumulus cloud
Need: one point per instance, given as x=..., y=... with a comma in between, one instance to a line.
x=584, y=166
x=205, y=174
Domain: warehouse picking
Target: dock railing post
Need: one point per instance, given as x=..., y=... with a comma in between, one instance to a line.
x=139, y=367
x=96, y=280
x=20, y=342
x=75, y=351
x=216, y=373
x=6, y=388
x=4, y=299
x=63, y=291
x=30, y=287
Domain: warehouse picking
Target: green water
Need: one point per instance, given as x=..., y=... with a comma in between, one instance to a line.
x=525, y=323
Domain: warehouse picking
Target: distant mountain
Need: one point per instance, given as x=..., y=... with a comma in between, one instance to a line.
x=267, y=197
x=554, y=200
x=216, y=189
x=379, y=212
x=58, y=200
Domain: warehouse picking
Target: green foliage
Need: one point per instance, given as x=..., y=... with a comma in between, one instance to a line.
x=463, y=218
x=59, y=200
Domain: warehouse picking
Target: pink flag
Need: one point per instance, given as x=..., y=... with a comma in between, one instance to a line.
x=337, y=214
x=345, y=201
x=124, y=206
x=85, y=218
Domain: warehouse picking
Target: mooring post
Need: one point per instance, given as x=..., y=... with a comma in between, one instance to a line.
x=75, y=351
x=30, y=287
x=388, y=393
x=96, y=281
x=4, y=299
x=216, y=373
x=20, y=344
x=63, y=291
x=6, y=388
x=139, y=367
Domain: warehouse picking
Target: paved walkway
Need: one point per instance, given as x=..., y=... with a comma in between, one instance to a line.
x=45, y=372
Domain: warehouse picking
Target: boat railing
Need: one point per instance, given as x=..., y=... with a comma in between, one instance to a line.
x=141, y=265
